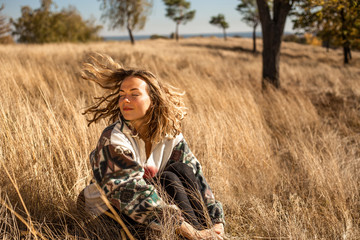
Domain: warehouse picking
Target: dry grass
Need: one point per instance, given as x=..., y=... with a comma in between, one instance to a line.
x=284, y=163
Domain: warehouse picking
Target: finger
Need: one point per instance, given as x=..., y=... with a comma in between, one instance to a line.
x=220, y=235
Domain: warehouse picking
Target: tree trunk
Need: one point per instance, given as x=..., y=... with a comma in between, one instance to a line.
x=272, y=31
x=271, y=56
x=131, y=35
x=350, y=53
x=225, y=38
x=346, y=60
x=177, y=31
x=254, y=37
x=327, y=44
x=347, y=53
x=346, y=43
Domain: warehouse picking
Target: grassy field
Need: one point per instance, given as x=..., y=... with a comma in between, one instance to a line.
x=284, y=163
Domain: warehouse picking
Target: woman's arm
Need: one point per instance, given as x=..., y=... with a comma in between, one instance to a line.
x=191, y=233
x=121, y=178
x=186, y=230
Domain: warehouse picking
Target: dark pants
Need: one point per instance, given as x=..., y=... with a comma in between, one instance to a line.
x=181, y=185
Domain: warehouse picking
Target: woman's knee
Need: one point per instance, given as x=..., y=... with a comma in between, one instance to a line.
x=168, y=178
x=181, y=170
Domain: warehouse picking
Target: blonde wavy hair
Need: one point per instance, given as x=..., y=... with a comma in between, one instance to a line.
x=167, y=109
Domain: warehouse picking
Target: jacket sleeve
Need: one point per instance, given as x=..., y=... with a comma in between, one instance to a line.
x=121, y=178
x=182, y=153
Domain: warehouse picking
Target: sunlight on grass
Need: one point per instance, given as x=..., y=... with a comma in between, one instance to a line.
x=284, y=163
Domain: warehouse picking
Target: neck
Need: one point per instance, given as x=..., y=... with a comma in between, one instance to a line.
x=141, y=128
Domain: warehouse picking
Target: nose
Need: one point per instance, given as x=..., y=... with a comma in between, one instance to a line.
x=124, y=99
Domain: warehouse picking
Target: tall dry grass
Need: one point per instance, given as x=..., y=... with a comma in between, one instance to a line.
x=284, y=163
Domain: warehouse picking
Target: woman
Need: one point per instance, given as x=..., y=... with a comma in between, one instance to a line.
x=144, y=145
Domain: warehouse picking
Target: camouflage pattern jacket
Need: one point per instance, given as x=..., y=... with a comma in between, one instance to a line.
x=119, y=166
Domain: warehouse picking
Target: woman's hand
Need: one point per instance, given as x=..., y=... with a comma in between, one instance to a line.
x=208, y=234
x=186, y=230
x=219, y=229
x=215, y=233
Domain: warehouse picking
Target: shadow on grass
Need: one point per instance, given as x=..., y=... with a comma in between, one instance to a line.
x=295, y=56
x=221, y=47
x=333, y=62
x=241, y=49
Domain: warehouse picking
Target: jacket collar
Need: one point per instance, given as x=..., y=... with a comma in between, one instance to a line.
x=126, y=128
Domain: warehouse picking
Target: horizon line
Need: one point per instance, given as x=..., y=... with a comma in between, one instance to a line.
x=193, y=34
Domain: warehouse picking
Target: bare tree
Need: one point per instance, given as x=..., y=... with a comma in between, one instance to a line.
x=131, y=14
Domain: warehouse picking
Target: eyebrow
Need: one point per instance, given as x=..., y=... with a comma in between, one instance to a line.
x=133, y=89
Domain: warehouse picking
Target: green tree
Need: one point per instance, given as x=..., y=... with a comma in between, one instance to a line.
x=178, y=11
x=251, y=17
x=131, y=14
x=335, y=21
x=220, y=21
x=43, y=26
x=70, y=26
x=4, y=28
x=272, y=26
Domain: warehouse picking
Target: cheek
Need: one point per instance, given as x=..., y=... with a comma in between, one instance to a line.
x=146, y=104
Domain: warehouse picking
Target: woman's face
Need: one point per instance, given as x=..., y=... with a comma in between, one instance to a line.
x=134, y=98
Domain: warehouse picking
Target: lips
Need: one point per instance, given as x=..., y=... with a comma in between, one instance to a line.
x=127, y=109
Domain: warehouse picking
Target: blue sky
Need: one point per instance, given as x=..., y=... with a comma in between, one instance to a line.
x=157, y=22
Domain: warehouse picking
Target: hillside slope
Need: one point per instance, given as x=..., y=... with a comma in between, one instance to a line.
x=284, y=163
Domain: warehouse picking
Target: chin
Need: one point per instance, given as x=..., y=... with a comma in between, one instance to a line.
x=127, y=118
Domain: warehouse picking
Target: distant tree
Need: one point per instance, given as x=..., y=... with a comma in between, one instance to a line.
x=4, y=28
x=220, y=21
x=249, y=10
x=272, y=25
x=131, y=14
x=71, y=27
x=178, y=11
x=336, y=21
x=43, y=26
